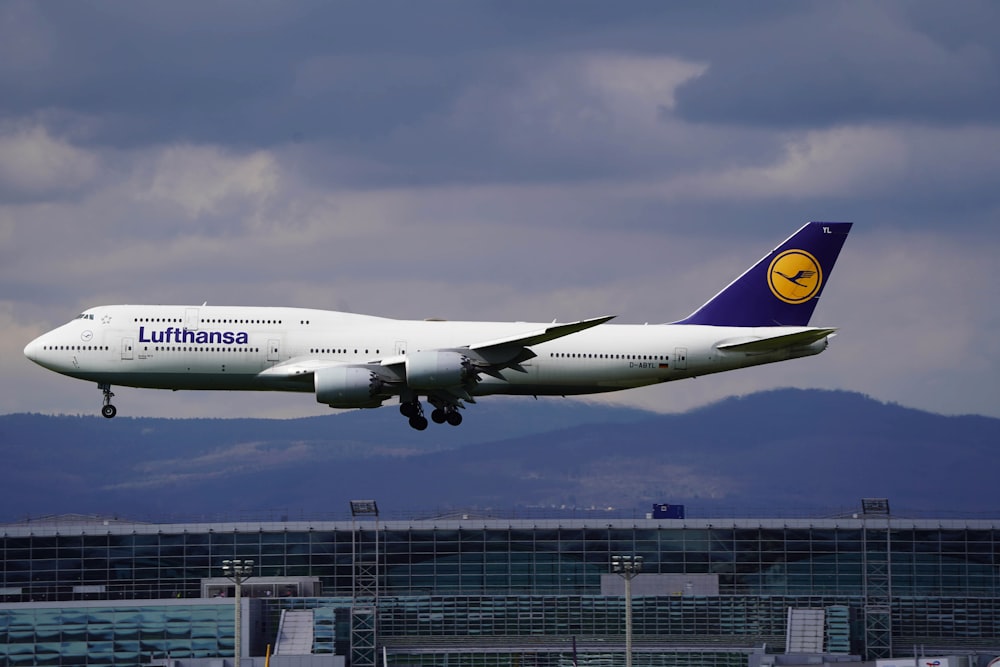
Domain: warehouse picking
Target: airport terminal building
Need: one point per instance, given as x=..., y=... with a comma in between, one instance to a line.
x=468, y=591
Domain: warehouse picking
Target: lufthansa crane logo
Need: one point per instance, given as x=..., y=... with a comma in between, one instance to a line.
x=794, y=276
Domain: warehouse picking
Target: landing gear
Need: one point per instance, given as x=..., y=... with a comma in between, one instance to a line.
x=449, y=414
x=446, y=413
x=415, y=412
x=443, y=413
x=108, y=411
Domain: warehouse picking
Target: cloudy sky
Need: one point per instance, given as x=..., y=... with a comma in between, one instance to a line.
x=505, y=161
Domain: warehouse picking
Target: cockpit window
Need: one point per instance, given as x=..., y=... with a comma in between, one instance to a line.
x=84, y=316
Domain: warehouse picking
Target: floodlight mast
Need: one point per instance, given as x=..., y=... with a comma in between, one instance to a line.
x=359, y=507
x=628, y=567
x=237, y=571
x=364, y=590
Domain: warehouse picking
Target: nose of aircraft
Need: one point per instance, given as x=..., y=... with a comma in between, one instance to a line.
x=32, y=349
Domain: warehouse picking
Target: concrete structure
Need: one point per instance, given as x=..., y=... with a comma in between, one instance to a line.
x=502, y=592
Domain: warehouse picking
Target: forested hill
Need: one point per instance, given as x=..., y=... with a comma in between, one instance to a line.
x=786, y=452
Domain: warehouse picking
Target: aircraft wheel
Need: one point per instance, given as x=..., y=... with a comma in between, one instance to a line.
x=438, y=416
x=418, y=422
x=109, y=411
x=454, y=417
x=409, y=409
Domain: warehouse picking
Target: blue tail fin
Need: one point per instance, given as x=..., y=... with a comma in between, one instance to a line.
x=781, y=289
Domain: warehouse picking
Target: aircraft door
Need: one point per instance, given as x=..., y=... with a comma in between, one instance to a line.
x=127, y=345
x=680, y=358
x=273, y=349
x=191, y=319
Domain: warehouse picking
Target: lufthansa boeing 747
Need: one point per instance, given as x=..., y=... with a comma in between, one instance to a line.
x=360, y=361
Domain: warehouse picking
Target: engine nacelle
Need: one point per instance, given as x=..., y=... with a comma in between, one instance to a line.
x=349, y=387
x=436, y=369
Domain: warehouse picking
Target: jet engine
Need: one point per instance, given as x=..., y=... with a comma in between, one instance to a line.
x=349, y=387
x=438, y=369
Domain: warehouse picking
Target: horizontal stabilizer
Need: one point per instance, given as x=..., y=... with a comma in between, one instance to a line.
x=760, y=345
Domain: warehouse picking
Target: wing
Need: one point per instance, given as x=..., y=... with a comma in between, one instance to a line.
x=490, y=357
x=544, y=335
x=502, y=351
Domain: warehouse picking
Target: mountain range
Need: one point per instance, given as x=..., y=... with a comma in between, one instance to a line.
x=786, y=452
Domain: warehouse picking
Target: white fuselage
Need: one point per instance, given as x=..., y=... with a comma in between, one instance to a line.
x=360, y=361
x=232, y=348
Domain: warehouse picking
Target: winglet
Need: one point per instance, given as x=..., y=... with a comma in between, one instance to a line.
x=782, y=288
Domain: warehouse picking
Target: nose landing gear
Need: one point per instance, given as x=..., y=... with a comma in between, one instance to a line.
x=108, y=410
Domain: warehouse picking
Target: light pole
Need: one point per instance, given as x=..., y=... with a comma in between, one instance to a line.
x=237, y=571
x=627, y=567
x=364, y=591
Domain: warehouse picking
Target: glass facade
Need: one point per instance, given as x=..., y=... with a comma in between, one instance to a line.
x=497, y=558
x=455, y=579
x=113, y=635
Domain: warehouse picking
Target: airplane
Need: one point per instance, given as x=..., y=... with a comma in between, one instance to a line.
x=361, y=361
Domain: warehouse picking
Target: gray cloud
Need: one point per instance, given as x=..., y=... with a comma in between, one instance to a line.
x=854, y=64
x=509, y=161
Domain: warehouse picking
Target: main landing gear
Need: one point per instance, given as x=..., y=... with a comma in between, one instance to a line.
x=441, y=414
x=446, y=414
x=415, y=412
x=108, y=410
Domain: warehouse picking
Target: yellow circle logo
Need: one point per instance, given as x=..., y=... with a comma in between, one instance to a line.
x=794, y=276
